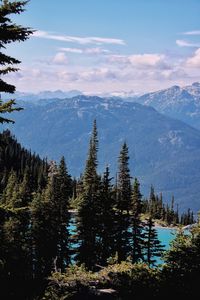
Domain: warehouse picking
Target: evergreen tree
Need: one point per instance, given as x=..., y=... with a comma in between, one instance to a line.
x=10, y=192
x=15, y=235
x=152, y=246
x=17, y=245
x=152, y=203
x=106, y=217
x=136, y=224
x=124, y=180
x=24, y=194
x=182, y=264
x=87, y=221
x=9, y=33
x=123, y=204
x=45, y=229
x=65, y=192
x=16, y=158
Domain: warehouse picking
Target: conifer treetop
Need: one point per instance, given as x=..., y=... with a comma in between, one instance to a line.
x=10, y=32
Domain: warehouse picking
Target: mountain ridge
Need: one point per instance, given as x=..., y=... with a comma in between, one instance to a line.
x=182, y=103
x=164, y=152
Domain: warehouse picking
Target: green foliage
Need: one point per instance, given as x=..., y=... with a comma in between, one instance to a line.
x=124, y=182
x=181, y=271
x=14, y=158
x=132, y=280
x=118, y=250
x=124, y=280
x=164, y=213
x=122, y=206
x=106, y=220
x=152, y=246
x=136, y=225
x=87, y=221
x=9, y=33
x=76, y=283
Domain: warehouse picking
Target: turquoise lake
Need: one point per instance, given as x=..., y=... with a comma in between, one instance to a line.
x=165, y=235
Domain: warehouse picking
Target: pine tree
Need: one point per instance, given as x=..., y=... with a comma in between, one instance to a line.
x=152, y=203
x=40, y=236
x=123, y=204
x=65, y=192
x=24, y=194
x=9, y=33
x=45, y=229
x=106, y=217
x=152, y=246
x=87, y=224
x=9, y=198
x=136, y=224
x=16, y=242
x=124, y=180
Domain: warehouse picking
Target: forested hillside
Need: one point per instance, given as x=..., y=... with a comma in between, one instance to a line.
x=113, y=224
x=163, y=151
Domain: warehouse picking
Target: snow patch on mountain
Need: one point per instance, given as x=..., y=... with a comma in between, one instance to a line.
x=173, y=137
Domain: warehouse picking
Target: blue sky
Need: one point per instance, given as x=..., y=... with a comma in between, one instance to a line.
x=108, y=46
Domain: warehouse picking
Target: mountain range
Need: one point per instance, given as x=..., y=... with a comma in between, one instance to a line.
x=182, y=103
x=163, y=151
x=58, y=94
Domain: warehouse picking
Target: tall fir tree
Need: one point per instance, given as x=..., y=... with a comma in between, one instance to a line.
x=10, y=189
x=45, y=229
x=136, y=223
x=10, y=32
x=50, y=210
x=64, y=194
x=123, y=204
x=152, y=203
x=106, y=219
x=152, y=246
x=87, y=221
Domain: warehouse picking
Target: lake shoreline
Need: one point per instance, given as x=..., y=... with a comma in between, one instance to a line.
x=157, y=225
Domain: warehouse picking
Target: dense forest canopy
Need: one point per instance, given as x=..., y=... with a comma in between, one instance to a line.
x=113, y=224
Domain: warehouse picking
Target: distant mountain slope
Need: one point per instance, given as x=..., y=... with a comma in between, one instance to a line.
x=59, y=94
x=180, y=103
x=163, y=151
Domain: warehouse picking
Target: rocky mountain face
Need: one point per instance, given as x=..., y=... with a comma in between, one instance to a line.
x=180, y=103
x=163, y=151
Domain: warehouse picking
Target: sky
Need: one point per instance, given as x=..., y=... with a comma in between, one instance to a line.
x=108, y=46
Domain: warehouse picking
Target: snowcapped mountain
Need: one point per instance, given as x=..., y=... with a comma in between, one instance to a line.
x=182, y=103
x=43, y=95
x=163, y=151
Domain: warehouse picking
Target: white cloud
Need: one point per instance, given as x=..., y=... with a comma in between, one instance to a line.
x=98, y=74
x=194, y=61
x=140, y=60
x=71, y=50
x=121, y=59
x=96, y=51
x=79, y=40
x=194, y=32
x=92, y=51
x=183, y=43
x=151, y=60
x=97, y=80
x=109, y=72
x=60, y=58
